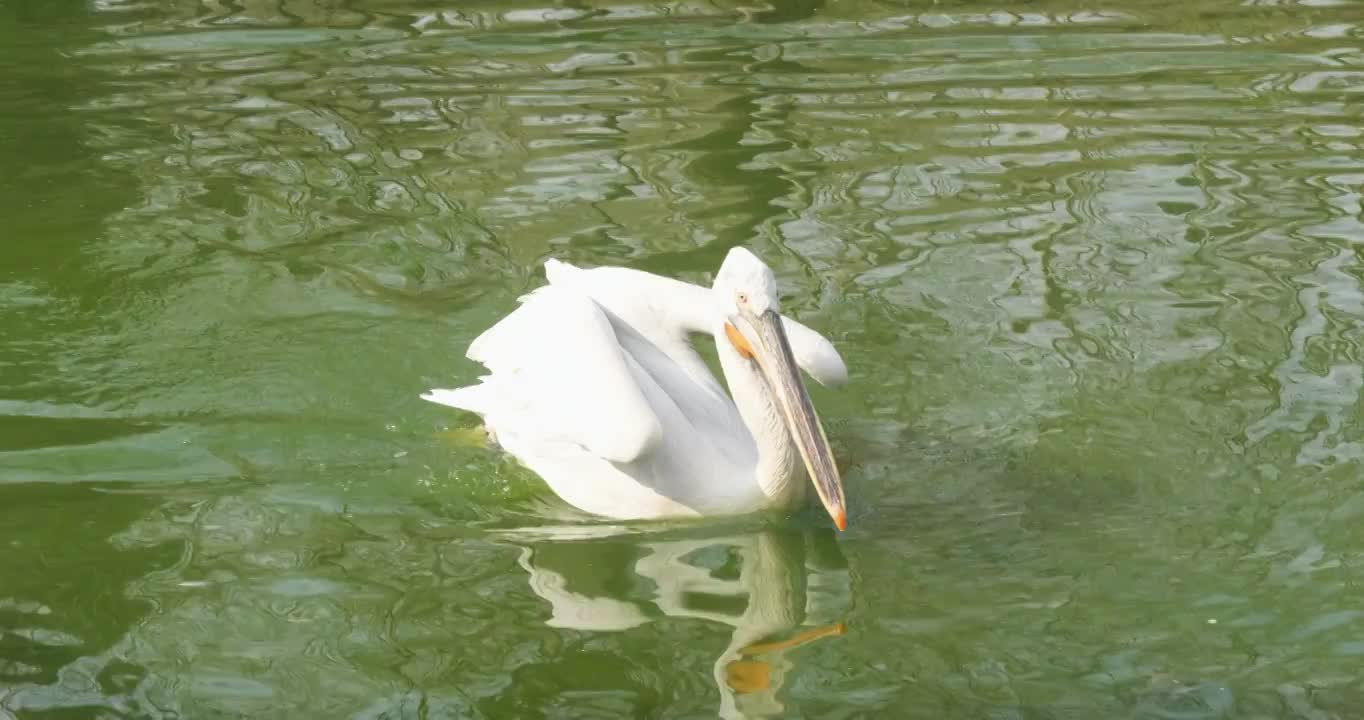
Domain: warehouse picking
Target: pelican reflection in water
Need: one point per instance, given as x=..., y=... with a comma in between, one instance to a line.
x=594, y=385
x=780, y=598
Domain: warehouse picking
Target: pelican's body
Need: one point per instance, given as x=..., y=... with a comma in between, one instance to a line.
x=595, y=386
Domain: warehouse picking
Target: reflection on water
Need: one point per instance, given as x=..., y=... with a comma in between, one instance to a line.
x=64, y=611
x=1095, y=269
x=761, y=584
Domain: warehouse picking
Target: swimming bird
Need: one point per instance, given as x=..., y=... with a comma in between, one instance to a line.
x=594, y=386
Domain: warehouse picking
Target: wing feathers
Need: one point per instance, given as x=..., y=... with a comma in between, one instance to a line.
x=558, y=372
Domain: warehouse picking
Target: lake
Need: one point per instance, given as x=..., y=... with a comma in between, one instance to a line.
x=1095, y=270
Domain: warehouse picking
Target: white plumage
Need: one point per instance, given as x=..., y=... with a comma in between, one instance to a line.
x=594, y=385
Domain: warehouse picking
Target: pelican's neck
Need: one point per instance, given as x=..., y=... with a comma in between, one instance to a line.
x=779, y=471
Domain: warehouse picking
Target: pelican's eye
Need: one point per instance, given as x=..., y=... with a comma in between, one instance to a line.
x=743, y=298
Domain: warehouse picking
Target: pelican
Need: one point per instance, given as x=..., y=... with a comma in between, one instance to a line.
x=594, y=386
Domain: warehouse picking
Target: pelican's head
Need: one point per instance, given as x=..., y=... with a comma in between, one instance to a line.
x=747, y=293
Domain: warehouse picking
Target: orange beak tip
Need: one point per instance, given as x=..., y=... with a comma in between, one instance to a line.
x=841, y=521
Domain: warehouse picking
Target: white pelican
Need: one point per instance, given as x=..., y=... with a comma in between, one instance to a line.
x=595, y=387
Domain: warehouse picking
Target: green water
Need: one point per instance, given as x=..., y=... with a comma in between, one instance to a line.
x=1096, y=270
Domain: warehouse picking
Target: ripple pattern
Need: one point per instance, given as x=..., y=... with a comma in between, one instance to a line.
x=1096, y=270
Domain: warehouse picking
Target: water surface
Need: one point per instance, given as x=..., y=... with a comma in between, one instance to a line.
x=1095, y=270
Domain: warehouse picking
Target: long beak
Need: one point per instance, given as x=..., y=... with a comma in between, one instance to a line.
x=778, y=365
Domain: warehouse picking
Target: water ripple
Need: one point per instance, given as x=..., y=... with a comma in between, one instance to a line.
x=1096, y=272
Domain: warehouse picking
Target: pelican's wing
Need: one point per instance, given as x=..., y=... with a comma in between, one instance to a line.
x=665, y=310
x=558, y=373
x=815, y=354
x=661, y=310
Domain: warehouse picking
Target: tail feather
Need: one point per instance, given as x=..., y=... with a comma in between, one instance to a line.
x=465, y=398
x=558, y=270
